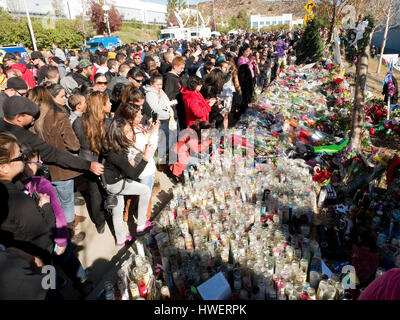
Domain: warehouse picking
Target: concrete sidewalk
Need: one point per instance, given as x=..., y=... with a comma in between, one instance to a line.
x=98, y=253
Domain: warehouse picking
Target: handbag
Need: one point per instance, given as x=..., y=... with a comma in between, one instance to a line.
x=112, y=200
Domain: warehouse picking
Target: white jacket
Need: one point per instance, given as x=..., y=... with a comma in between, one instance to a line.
x=157, y=104
x=143, y=137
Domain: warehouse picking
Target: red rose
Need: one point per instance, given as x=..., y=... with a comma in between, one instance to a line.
x=372, y=131
x=340, y=90
x=338, y=80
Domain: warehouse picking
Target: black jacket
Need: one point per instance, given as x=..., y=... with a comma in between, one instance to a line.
x=117, y=167
x=23, y=224
x=48, y=153
x=17, y=279
x=172, y=85
x=81, y=80
x=164, y=67
x=3, y=98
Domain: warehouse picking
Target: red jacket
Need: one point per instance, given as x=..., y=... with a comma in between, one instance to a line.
x=27, y=74
x=196, y=107
x=186, y=146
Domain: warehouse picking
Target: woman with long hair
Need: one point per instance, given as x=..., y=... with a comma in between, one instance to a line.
x=91, y=131
x=247, y=75
x=54, y=127
x=121, y=175
x=142, y=137
x=212, y=88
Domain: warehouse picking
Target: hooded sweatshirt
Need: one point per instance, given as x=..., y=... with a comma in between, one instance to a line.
x=157, y=104
x=196, y=107
x=27, y=74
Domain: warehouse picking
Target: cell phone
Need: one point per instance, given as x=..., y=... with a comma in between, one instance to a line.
x=35, y=196
x=154, y=116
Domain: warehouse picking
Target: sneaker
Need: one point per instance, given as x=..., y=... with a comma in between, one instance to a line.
x=78, y=237
x=127, y=239
x=146, y=228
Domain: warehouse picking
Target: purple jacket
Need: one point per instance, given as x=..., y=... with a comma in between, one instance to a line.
x=280, y=47
x=42, y=185
x=243, y=60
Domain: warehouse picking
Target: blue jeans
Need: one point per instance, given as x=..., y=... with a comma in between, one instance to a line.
x=70, y=264
x=65, y=194
x=167, y=138
x=148, y=181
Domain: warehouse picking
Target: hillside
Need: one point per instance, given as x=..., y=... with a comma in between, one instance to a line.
x=131, y=33
x=225, y=9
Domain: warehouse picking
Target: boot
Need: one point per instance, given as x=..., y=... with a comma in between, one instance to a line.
x=75, y=237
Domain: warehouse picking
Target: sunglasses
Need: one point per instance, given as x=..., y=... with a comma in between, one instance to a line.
x=22, y=158
x=103, y=83
x=138, y=80
x=21, y=94
x=39, y=164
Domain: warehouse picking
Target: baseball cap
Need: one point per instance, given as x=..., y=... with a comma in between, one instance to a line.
x=84, y=63
x=16, y=83
x=36, y=55
x=19, y=105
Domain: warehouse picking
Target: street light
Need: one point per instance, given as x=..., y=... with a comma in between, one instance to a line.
x=106, y=8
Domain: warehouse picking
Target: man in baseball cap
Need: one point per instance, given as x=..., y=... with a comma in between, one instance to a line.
x=20, y=110
x=15, y=87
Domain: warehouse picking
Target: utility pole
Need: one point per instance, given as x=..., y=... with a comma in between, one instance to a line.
x=83, y=21
x=215, y=23
x=30, y=26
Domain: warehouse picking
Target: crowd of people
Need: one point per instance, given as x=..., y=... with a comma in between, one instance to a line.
x=102, y=124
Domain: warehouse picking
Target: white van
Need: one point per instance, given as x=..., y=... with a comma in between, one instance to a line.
x=176, y=33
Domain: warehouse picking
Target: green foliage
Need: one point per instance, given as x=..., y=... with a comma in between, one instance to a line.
x=274, y=27
x=243, y=20
x=351, y=51
x=311, y=47
x=17, y=32
x=240, y=21
x=176, y=5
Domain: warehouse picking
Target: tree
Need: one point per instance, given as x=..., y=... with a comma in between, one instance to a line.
x=391, y=10
x=172, y=6
x=358, y=50
x=58, y=8
x=96, y=14
x=243, y=20
x=311, y=48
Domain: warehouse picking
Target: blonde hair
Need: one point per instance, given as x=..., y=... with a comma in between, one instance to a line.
x=93, y=121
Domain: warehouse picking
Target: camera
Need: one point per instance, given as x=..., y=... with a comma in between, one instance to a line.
x=154, y=116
